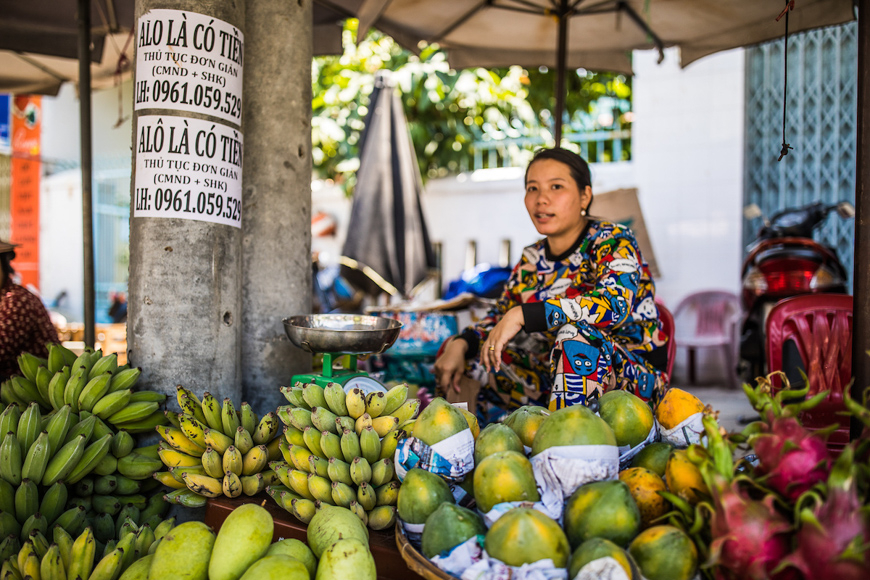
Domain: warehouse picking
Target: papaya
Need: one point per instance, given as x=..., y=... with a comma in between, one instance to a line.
x=243, y=539
x=496, y=437
x=472, y=421
x=596, y=548
x=524, y=536
x=347, y=559
x=502, y=477
x=575, y=425
x=601, y=509
x=653, y=457
x=628, y=416
x=448, y=526
x=183, y=553
x=295, y=549
x=438, y=421
x=277, y=567
x=644, y=486
x=664, y=553
x=684, y=478
x=526, y=421
x=676, y=406
x=331, y=524
x=420, y=495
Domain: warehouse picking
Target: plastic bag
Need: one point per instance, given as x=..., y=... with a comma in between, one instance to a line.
x=559, y=471
x=452, y=458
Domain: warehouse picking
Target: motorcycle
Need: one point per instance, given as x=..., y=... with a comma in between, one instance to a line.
x=784, y=261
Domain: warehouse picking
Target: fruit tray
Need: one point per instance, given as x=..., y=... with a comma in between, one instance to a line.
x=416, y=561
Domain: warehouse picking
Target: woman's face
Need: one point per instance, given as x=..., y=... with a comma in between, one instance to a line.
x=553, y=200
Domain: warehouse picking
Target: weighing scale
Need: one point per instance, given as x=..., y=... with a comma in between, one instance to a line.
x=336, y=335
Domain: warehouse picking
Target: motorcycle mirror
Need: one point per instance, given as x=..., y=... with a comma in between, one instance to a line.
x=752, y=211
x=845, y=210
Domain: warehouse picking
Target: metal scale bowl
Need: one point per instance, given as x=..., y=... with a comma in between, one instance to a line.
x=336, y=335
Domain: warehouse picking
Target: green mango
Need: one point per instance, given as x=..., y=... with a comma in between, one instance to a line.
x=183, y=553
x=243, y=539
x=347, y=559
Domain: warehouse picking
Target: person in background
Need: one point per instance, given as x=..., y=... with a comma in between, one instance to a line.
x=24, y=322
x=577, y=317
x=118, y=308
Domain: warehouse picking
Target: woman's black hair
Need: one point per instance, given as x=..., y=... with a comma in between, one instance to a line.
x=8, y=270
x=576, y=165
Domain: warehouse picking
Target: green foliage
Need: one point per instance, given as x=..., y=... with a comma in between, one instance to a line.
x=447, y=110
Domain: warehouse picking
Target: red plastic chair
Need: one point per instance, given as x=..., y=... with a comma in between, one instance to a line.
x=668, y=328
x=820, y=325
x=707, y=319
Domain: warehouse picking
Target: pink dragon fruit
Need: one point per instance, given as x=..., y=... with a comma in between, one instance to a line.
x=792, y=458
x=750, y=538
x=833, y=536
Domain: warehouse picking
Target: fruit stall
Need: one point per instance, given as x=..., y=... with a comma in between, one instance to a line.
x=103, y=479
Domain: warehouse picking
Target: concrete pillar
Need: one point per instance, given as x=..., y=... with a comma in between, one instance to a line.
x=276, y=248
x=184, y=316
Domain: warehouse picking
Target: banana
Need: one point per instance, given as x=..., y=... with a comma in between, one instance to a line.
x=51, y=567
x=187, y=498
x=269, y=477
x=295, y=397
x=53, y=502
x=26, y=501
x=330, y=443
x=338, y=470
x=389, y=444
x=382, y=517
x=396, y=397
x=320, y=488
x=211, y=410
x=360, y=471
x=30, y=569
x=64, y=543
x=109, y=567
x=84, y=427
x=65, y=460
x=35, y=523
x=10, y=546
x=303, y=509
x=126, y=379
x=229, y=417
x=356, y=508
x=232, y=485
x=335, y=397
x=232, y=460
x=82, y=555
x=73, y=520
x=293, y=435
x=212, y=462
x=106, y=484
x=83, y=488
x=26, y=390
x=43, y=379
x=298, y=482
x=9, y=420
x=166, y=478
x=217, y=440
x=190, y=403
x=312, y=439
x=94, y=390
x=178, y=472
x=350, y=445
x=11, y=462
x=56, y=360
x=133, y=412
x=144, y=425
x=56, y=387
x=145, y=396
x=318, y=465
x=382, y=472
x=9, y=525
x=285, y=390
x=385, y=425
x=203, y=485
x=144, y=539
x=106, y=504
x=323, y=419
x=29, y=426
x=248, y=417
x=122, y=444
x=128, y=512
x=266, y=429
x=243, y=441
x=253, y=484
x=254, y=461
x=407, y=410
x=40, y=543
x=342, y=423
x=301, y=418
x=282, y=470
x=94, y=453
x=164, y=528
x=366, y=496
x=176, y=439
x=9, y=396
x=37, y=458
x=112, y=403
x=107, y=464
x=137, y=466
x=74, y=387
x=7, y=501
x=363, y=421
x=388, y=494
x=342, y=494
x=58, y=427
x=127, y=545
x=29, y=364
x=356, y=403
x=193, y=430
x=284, y=448
x=299, y=456
x=370, y=444
x=375, y=403
x=313, y=395
x=106, y=364
x=173, y=458
x=274, y=448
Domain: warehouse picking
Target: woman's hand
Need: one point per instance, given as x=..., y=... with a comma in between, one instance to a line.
x=507, y=328
x=450, y=366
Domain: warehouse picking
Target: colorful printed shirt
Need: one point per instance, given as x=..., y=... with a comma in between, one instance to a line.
x=24, y=327
x=601, y=281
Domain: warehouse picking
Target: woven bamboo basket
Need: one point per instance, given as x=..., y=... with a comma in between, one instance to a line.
x=416, y=561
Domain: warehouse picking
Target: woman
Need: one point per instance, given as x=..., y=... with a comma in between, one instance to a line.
x=24, y=323
x=578, y=315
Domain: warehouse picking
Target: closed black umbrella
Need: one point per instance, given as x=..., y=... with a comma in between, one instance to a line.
x=387, y=230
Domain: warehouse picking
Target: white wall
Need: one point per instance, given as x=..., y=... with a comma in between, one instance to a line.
x=61, y=262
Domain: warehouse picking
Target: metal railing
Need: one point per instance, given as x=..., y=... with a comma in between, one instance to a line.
x=594, y=146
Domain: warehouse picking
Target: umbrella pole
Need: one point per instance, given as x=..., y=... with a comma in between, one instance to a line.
x=560, y=69
x=84, y=49
x=861, y=277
